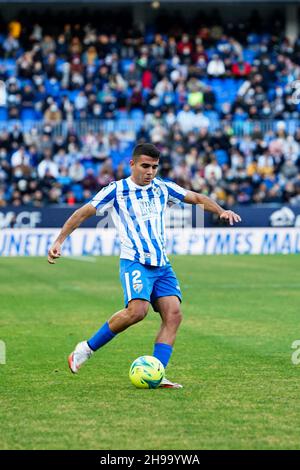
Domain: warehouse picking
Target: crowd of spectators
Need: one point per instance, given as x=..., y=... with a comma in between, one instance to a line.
x=43, y=169
x=184, y=92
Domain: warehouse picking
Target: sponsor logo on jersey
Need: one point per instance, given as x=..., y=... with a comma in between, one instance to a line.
x=148, y=208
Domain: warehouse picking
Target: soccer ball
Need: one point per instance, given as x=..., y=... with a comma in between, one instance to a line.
x=146, y=372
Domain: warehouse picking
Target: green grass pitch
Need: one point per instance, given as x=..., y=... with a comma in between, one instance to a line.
x=233, y=356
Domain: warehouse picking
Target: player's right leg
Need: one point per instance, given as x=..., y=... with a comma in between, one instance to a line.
x=81, y=354
x=136, y=311
x=137, y=285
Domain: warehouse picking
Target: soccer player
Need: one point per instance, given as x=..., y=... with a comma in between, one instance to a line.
x=137, y=206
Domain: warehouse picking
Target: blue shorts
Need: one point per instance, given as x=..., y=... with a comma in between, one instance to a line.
x=147, y=282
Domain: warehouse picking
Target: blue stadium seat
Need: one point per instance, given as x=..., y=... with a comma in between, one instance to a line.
x=25, y=81
x=28, y=114
x=3, y=113
x=121, y=114
x=217, y=82
x=53, y=89
x=125, y=64
x=121, y=124
x=88, y=164
x=71, y=94
x=59, y=64
x=210, y=52
x=222, y=156
x=78, y=191
x=211, y=115
x=205, y=80
x=11, y=67
x=253, y=39
x=149, y=38
x=249, y=55
x=137, y=115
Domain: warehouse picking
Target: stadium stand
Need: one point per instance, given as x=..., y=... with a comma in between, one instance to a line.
x=219, y=102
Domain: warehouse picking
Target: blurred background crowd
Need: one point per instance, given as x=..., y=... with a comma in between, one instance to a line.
x=220, y=101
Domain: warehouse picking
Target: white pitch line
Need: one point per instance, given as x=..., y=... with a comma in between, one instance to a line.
x=291, y=285
x=260, y=286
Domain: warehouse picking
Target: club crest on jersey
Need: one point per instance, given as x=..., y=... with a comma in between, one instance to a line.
x=138, y=287
x=157, y=191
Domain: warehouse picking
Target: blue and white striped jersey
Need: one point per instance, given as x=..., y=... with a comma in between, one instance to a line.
x=138, y=214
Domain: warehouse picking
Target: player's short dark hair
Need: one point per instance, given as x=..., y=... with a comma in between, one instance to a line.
x=145, y=149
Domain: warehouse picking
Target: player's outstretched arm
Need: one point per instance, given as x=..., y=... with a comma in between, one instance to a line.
x=211, y=206
x=76, y=219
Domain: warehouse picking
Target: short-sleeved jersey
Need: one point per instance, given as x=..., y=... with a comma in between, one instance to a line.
x=138, y=214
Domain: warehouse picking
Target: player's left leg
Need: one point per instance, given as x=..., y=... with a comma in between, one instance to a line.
x=171, y=316
x=166, y=298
